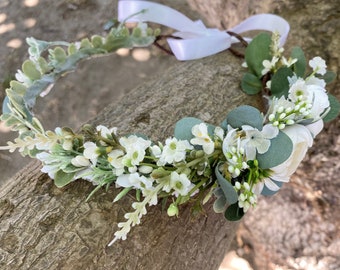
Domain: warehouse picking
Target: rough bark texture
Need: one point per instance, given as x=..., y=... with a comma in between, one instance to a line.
x=43, y=227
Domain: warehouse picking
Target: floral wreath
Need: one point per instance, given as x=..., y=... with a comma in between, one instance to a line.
x=249, y=154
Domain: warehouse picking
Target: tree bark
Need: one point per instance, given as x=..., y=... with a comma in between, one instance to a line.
x=43, y=227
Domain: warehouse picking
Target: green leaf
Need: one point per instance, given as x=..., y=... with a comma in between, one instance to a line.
x=300, y=65
x=5, y=108
x=280, y=149
x=17, y=87
x=251, y=84
x=43, y=65
x=17, y=101
x=228, y=189
x=245, y=115
x=183, y=128
x=280, y=83
x=334, y=109
x=59, y=54
x=257, y=51
x=36, y=89
x=234, y=212
x=28, y=67
x=329, y=76
x=113, y=43
x=61, y=178
x=219, y=205
x=97, y=41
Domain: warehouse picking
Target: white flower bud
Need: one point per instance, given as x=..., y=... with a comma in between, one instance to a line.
x=145, y=169
x=238, y=185
x=271, y=117
x=246, y=186
x=173, y=210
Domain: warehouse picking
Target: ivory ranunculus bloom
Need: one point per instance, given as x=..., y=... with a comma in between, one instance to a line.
x=302, y=139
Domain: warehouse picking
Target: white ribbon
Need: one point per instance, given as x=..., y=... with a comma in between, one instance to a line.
x=197, y=40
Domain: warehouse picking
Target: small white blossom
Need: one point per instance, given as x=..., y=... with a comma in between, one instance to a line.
x=180, y=183
x=174, y=151
x=115, y=158
x=299, y=92
x=234, y=152
x=219, y=133
x=135, y=151
x=91, y=152
x=318, y=65
x=80, y=161
x=106, y=132
x=258, y=141
x=202, y=138
x=269, y=65
x=134, y=180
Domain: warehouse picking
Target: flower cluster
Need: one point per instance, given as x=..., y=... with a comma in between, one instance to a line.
x=248, y=154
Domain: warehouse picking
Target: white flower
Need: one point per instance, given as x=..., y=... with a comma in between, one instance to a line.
x=115, y=157
x=219, y=133
x=156, y=151
x=318, y=65
x=315, y=127
x=174, y=151
x=134, y=180
x=135, y=151
x=269, y=65
x=105, y=132
x=91, y=152
x=299, y=91
x=320, y=101
x=302, y=140
x=288, y=62
x=180, y=183
x=312, y=80
x=50, y=164
x=80, y=161
x=202, y=138
x=233, y=152
x=258, y=141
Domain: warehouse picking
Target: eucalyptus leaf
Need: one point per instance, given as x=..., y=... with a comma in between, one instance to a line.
x=279, y=82
x=279, y=151
x=301, y=63
x=267, y=192
x=220, y=204
x=245, y=115
x=184, y=126
x=334, y=109
x=257, y=51
x=251, y=84
x=234, y=212
x=228, y=189
x=61, y=178
x=329, y=76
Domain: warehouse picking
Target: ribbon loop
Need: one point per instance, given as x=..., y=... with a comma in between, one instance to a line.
x=197, y=40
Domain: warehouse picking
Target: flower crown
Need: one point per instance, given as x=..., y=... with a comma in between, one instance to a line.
x=249, y=154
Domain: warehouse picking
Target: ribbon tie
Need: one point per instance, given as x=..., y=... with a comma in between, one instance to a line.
x=197, y=41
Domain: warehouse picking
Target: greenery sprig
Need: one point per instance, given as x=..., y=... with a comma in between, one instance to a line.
x=248, y=154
